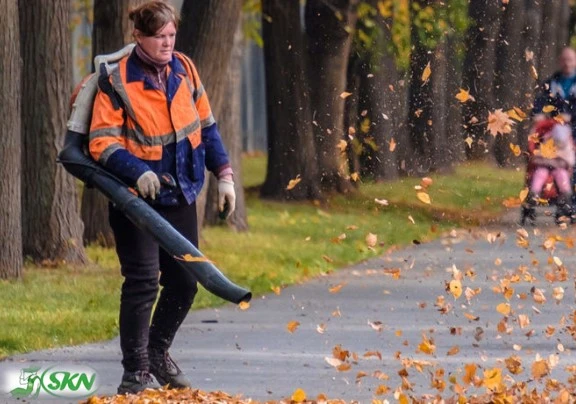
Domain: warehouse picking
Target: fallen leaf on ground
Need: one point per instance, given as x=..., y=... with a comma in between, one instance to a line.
x=299, y=396
x=292, y=326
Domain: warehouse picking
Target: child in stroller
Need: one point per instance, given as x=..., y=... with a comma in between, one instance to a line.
x=549, y=171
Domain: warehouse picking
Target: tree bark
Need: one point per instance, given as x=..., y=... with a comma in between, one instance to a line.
x=379, y=93
x=52, y=229
x=10, y=152
x=206, y=34
x=510, y=60
x=232, y=137
x=479, y=66
x=554, y=35
x=291, y=148
x=328, y=30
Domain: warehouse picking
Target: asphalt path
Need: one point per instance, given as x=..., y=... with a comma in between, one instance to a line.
x=379, y=311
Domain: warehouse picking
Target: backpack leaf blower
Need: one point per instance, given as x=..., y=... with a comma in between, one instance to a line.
x=77, y=162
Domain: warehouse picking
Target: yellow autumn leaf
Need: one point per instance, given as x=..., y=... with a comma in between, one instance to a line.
x=426, y=73
x=371, y=240
x=516, y=114
x=469, y=373
x=293, y=183
x=492, y=378
x=455, y=287
x=469, y=142
x=244, y=305
x=523, y=320
x=464, y=96
x=523, y=194
x=503, y=308
x=547, y=149
x=276, y=289
x=191, y=258
x=548, y=108
x=299, y=396
x=345, y=94
x=423, y=197
x=426, y=346
x=514, y=364
x=355, y=177
x=392, y=145
x=515, y=149
x=342, y=145
x=292, y=326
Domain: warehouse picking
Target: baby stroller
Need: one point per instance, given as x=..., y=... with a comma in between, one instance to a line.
x=555, y=164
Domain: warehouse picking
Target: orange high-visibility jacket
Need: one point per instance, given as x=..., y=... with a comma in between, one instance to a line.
x=172, y=131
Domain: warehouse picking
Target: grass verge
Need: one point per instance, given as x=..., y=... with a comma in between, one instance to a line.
x=286, y=244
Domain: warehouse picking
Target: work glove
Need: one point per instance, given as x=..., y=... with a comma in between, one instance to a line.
x=148, y=185
x=226, y=193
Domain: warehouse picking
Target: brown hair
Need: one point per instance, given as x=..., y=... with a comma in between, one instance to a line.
x=151, y=17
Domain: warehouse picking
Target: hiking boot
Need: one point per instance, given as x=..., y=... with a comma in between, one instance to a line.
x=165, y=370
x=135, y=382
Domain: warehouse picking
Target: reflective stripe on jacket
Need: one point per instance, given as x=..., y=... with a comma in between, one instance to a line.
x=172, y=131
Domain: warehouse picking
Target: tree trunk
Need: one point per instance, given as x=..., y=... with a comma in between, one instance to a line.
x=52, y=229
x=232, y=137
x=510, y=59
x=455, y=146
x=291, y=148
x=328, y=30
x=379, y=93
x=206, y=34
x=10, y=152
x=478, y=75
x=554, y=35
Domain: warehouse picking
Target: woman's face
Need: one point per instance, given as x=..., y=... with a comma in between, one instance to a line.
x=160, y=46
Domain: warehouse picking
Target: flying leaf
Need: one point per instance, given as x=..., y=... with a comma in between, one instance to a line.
x=355, y=177
x=423, y=197
x=455, y=287
x=503, y=308
x=534, y=72
x=392, y=145
x=426, y=182
x=376, y=325
x=293, y=183
x=299, y=396
x=515, y=149
x=538, y=295
x=426, y=73
x=345, y=94
x=523, y=194
x=191, y=258
x=558, y=293
x=427, y=345
x=292, y=326
x=276, y=289
x=469, y=373
x=336, y=289
x=499, y=123
x=464, y=96
x=453, y=351
x=382, y=202
x=469, y=142
x=523, y=320
x=516, y=114
x=321, y=328
x=371, y=240
x=548, y=108
x=244, y=305
x=342, y=145
x=514, y=364
x=492, y=379
x=540, y=369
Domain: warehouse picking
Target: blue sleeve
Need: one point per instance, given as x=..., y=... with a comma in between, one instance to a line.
x=216, y=156
x=125, y=166
x=542, y=98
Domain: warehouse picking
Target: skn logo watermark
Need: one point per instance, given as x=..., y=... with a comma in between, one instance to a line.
x=58, y=381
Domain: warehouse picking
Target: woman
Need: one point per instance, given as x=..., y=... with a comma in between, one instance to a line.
x=160, y=123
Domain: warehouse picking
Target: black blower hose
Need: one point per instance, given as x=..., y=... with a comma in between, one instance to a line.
x=147, y=219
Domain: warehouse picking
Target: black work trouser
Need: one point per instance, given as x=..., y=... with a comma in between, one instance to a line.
x=144, y=265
